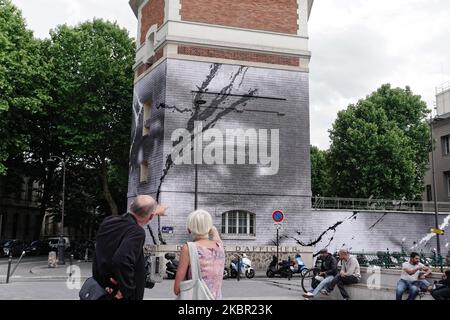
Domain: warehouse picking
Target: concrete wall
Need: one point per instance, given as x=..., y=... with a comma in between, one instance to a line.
x=260, y=256
x=379, y=285
x=372, y=231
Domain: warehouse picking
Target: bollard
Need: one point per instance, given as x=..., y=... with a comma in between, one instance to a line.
x=239, y=269
x=9, y=268
x=86, y=255
x=20, y=259
x=52, y=259
x=71, y=261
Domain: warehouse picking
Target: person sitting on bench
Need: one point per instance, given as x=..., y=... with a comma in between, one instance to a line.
x=442, y=291
x=350, y=274
x=328, y=270
x=409, y=278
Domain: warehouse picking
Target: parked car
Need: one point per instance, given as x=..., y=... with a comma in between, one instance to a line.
x=53, y=243
x=2, y=244
x=13, y=247
x=37, y=248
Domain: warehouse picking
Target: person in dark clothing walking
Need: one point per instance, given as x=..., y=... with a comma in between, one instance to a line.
x=442, y=292
x=328, y=270
x=119, y=256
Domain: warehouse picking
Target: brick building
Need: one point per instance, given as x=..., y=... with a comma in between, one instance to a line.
x=224, y=65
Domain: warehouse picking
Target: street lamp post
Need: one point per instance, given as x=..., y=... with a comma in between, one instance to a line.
x=61, y=244
x=197, y=104
x=436, y=214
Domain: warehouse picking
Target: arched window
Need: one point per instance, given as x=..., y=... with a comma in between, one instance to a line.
x=238, y=222
x=150, y=43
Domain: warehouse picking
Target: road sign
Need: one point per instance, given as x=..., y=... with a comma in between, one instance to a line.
x=278, y=216
x=167, y=230
x=437, y=231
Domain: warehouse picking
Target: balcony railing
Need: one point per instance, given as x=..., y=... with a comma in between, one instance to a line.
x=323, y=203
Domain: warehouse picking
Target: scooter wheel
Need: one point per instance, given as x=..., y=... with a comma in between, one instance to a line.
x=250, y=273
x=270, y=274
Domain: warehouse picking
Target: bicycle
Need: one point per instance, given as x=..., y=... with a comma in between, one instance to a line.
x=308, y=276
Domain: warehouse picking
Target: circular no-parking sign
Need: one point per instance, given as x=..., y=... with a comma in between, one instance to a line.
x=278, y=216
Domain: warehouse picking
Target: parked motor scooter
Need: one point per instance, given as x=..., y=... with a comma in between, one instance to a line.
x=171, y=266
x=284, y=268
x=299, y=265
x=244, y=265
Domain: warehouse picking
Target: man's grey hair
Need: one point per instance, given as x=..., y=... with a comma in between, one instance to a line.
x=143, y=206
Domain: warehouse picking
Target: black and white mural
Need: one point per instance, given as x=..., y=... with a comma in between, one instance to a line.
x=234, y=140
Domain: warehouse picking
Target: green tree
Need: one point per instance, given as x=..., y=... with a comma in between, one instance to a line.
x=380, y=146
x=21, y=96
x=320, y=175
x=94, y=90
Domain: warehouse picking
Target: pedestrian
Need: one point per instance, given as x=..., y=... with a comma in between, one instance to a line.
x=119, y=265
x=349, y=274
x=211, y=254
x=328, y=270
x=442, y=291
x=409, y=278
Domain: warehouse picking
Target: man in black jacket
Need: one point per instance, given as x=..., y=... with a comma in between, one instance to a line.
x=328, y=270
x=442, y=292
x=119, y=256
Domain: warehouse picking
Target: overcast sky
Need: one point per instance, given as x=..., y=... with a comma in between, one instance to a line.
x=357, y=45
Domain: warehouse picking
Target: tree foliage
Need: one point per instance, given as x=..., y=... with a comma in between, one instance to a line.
x=380, y=146
x=320, y=175
x=94, y=80
x=21, y=74
x=68, y=96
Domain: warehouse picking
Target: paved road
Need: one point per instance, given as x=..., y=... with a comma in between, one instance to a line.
x=34, y=280
x=255, y=289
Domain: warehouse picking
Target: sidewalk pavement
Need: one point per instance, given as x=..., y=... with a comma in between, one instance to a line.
x=34, y=280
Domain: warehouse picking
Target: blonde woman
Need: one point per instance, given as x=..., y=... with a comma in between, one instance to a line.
x=210, y=253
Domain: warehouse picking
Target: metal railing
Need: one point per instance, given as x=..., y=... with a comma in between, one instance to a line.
x=395, y=260
x=443, y=87
x=377, y=205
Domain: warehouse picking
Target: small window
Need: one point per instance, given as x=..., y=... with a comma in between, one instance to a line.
x=150, y=44
x=447, y=182
x=238, y=222
x=429, y=193
x=30, y=185
x=446, y=145
x=147, y=118
x=144, y=172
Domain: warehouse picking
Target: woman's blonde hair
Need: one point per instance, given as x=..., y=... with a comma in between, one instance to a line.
x=199, y=224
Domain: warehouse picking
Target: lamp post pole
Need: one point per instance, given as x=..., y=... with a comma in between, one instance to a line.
x=436, y=214
x=197, y=104
x=61, y=244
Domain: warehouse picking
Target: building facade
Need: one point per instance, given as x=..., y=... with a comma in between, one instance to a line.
x=221, y=115
x=441, y=135
x=19, y=210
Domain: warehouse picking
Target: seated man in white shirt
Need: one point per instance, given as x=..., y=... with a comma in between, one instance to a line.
x=409, y=279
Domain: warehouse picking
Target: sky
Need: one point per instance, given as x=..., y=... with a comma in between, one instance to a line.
x=356, y=46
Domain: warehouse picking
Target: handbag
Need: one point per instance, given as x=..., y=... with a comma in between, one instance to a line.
x=195, y=288
x=92, y=290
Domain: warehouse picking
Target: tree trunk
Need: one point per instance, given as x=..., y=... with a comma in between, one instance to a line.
x=48, y=177
x=106, y=191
